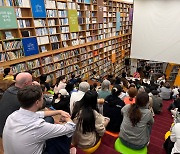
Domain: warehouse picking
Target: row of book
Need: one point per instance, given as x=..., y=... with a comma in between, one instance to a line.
x=11, y=45
x=6, y=3
x=23, y=23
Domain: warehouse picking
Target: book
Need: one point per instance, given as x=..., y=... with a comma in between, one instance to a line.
x=9, y=35
x=25, y=33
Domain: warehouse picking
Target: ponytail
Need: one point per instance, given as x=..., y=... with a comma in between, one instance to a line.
x=134, y=114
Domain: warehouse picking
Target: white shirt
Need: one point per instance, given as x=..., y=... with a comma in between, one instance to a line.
x=175, y=137
x=26, y=132
x=75, y=96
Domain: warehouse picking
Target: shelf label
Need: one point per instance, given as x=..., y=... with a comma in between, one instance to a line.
x=7, y=18
x=118, y=21
x=73, y=20
x=30, y=46
x=38, y=8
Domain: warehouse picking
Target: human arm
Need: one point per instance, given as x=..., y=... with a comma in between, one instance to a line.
x=173, y=135
x=99, y=124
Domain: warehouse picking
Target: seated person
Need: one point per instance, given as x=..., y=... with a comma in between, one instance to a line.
x=43, y=79
x=104, y=91
x=26, y=131
x=95, y=76
x=112, y=109
x=61, y=101
x=157, y=102
x=8, y=74
x=165, y=91
x=90, y=124
x=132, y=92
x=137, y=122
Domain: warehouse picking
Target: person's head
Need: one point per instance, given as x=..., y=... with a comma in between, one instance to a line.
x=132, y=93
x=84, y=86
x=167, y=85
x=62, y=93
x=154, y=92
x=7, y=71
x=90, y=99
x=123, y=74
x=43, y=78
x=117, y=81
x=72, y=76
x=141, y=89
x=132, y=85
x=69, y=87
x=61, y=79
x=116, y=90
x=87, y=118
x=43, y=87
x=23, y=79
x=105, y=84
x=31, y=97
x=134, y=112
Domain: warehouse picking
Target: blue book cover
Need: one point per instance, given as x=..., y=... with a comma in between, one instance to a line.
x=38, y=8
x=30, y=46
x=118, y=21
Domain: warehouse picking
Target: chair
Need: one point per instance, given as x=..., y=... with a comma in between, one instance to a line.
x=120, y=147
x=93, y=149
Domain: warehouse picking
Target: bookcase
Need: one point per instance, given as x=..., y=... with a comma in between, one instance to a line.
x=59, y=37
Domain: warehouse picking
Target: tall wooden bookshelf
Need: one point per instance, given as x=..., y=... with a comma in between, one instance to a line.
x=98, y=44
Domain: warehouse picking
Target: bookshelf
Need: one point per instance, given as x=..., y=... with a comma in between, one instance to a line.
x=89, y=41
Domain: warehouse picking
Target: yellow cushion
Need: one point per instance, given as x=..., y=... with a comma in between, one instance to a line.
x=167, y=135
x=94, y=148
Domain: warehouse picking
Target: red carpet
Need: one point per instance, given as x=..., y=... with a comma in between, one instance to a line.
x=161, y=125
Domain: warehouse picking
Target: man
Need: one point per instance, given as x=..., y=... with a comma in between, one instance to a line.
x=26, y=131
x=9, y=102
x=77, y=96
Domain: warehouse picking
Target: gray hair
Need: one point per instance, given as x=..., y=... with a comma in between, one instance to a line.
x=105, y=84
x=84, y=86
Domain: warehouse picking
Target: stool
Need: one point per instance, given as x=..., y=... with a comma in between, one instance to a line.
x=120, y=147
x=93, y=149
x=168, y=133
x=116, y=135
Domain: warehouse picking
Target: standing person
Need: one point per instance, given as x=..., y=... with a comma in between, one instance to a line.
x=9, y=102
x=137, y=122
x=112, y=109
x=26, y=131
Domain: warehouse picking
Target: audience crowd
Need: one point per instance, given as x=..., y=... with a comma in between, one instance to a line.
x=38, y=117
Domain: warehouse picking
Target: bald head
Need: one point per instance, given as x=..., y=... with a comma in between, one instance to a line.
x=23, y=79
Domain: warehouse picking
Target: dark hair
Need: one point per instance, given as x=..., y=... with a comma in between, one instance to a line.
x=43, y=87
x=155, y=92
x=72, y=76
x=69, y=87
x=117, y=81
x=116, y=90
x=43, y=78
x=134, y=112
x=86, y=116
x=6, y=71
x=59, y=79
x=28, y=95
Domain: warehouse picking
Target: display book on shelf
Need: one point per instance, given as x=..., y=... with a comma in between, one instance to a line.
x=92, y=45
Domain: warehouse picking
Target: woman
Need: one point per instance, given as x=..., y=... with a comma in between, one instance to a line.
x=104, y=92
x=8, y=74
x=137, y=122
x=60, y=84
x=132, y=92
x=112, y=109
x=90, y=124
